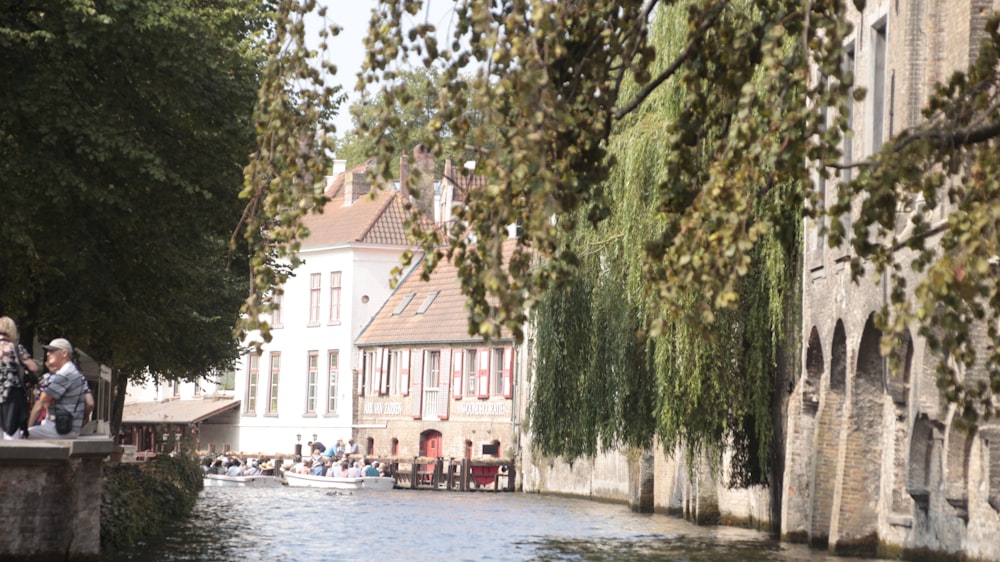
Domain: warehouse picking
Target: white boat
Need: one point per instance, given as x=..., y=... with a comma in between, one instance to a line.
x=313, y=481
x=378, y=482
x=338, y=483
x=230, y=481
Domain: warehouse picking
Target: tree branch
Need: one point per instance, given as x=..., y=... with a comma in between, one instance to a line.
x=672, y=69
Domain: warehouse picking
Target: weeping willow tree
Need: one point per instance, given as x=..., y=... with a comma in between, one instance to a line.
x=697, y=373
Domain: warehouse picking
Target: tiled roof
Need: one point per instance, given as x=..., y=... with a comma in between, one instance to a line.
x=371, y=220
x=445, y=320
x=176, y=411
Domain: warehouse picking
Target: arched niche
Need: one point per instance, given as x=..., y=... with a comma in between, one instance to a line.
x=838, y=359
x=814, y=373
x=956, y=484
x=900, y=365
x=990, y=436
x=927, y=434
x=861, y=485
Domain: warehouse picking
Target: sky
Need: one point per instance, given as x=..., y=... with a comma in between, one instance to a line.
x=347, y=49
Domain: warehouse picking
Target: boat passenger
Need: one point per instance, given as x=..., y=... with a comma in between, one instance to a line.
x=253, y=469
x=235, y=469
x=338, y=450
x=355, y=470
x=352, y=447
x=370, y=469
x=342, y=473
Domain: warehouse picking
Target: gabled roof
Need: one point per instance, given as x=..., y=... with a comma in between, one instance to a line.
x=377, y=220
x=421, y=312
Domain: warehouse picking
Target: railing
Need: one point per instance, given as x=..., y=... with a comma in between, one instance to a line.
x=430, y=406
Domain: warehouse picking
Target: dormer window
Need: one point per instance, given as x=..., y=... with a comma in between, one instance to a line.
x=427, y=302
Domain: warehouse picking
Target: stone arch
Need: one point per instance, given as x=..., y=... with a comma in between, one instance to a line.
x=923, y=446
x=814, y=374
x=956, y=478
x=990, y=437
x=824, y=473
x=858, y=510
x=898, y=383
x=838, y=359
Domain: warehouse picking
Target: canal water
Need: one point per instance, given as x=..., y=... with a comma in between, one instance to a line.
x=311, y=525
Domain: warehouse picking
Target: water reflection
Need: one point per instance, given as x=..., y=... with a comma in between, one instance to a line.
x=303, y=524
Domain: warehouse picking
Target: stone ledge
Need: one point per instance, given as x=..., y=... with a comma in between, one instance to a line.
x=55, y=449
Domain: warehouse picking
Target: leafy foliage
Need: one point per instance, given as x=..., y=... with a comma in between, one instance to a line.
x=415, y=95
x=123, y=127
x=139, y=500
x=284, y=178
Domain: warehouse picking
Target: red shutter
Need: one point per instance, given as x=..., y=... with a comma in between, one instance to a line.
x=483, y=373
x=418, y=386
x=444, y=376
x=456, y=370
x=508, y=368
x=404, y=371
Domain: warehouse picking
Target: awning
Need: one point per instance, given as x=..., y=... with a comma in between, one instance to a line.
x=176, y=411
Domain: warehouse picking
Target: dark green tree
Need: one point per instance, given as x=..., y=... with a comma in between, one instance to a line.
x=124, y=128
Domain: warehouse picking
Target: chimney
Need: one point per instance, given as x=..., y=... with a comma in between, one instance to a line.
x=404, y=172
x=442, y=207
x=339, y=166
x=423, y=159
x=355, y=186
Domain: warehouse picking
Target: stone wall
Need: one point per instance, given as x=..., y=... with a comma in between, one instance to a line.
x=52, y=499
x=876, y=463
x=653, y=481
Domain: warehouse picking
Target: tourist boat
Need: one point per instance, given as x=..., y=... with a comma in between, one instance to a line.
x=241, y=481
x=337, y=483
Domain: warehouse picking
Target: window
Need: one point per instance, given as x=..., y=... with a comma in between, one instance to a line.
x=228, y=381
x=427, y=302
x=314, y=286
x=367, y=382
x=403, y=303
x=470, y=372
x=878, y=83
x=253, y=361
x=394, y=370
x=335, y=297
x=334, y=362
x=432, y=381
x=311, y=377
x=848, y=70
x=276, y=311
x=433, y=369
x=272, y=395
x=497, y=365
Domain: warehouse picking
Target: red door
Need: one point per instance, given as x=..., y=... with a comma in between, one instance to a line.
x=430, y=441
x=432, y=444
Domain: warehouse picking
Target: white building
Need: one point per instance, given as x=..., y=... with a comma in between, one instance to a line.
x=299, y=388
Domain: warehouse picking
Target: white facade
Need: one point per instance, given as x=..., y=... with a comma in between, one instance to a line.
x=302, y=413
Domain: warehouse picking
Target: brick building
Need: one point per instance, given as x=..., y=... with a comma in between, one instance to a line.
x=877, y=461
x=424, y=386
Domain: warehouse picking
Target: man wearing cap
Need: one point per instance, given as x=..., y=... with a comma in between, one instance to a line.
x=66, y=391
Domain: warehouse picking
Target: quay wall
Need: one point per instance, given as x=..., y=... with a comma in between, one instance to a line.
x=616, y=476
x=52, y=499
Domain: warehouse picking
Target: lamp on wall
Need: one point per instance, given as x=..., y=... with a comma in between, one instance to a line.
x=314, y=437
x=298, y=437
